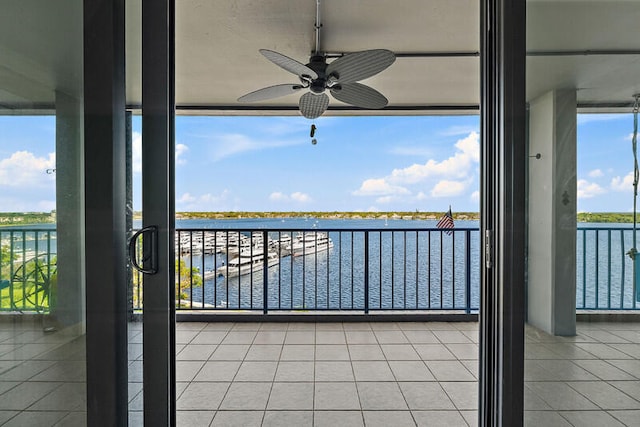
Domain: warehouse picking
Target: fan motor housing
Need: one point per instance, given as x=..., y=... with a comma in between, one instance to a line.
x=318, y=64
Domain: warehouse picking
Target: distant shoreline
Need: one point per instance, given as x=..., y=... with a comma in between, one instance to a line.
x=34, y=218
x=602, y=217
x=471, y=216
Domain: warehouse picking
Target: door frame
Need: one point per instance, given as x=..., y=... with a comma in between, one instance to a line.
x=105, y=231
x=502, y=37
x=158, y=210
x=503, y=161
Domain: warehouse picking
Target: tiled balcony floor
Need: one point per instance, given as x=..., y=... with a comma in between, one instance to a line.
x=351, y=374
x=42, y=377
x=396, y=374
x=327, y=374
x=592, y=379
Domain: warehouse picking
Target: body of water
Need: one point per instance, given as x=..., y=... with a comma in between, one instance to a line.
x=414, y=269
x=409, y=267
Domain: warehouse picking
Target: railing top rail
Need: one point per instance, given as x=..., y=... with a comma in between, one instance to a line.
x=27, y=230
x=591, y=228
x=332, y=230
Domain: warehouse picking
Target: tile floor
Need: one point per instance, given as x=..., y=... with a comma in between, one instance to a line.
x=335, y=374
x=592, y=379
x=42, y=377
x=327, y=374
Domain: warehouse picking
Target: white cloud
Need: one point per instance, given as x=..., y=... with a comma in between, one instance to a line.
x=297, y=196
x=136, y=152
x=379, y=187
x=596, y=173
x=231, y=144
x=622, y=184
x=475, y=196
x=457, y=166
x=204, y=202
x=181, y=149
x=587, y=190
x=447, y=188
x=277, y=196
x=24, y=170
x=300, y=197
x=186, y=198
x=455, y=174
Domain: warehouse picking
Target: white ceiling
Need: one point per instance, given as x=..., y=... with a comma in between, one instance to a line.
x=217, y=44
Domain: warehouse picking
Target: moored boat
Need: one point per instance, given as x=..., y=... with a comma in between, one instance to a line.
x=311, y=242
x=248, y=261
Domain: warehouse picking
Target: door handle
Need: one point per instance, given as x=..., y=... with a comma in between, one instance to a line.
x=152, y=231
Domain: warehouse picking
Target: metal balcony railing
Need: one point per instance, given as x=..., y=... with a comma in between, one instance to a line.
x=27, y=269
x=361, y=270
x=604, y=271
x=327, y=270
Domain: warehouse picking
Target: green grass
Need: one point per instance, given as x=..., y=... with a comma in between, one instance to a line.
x=19, y=302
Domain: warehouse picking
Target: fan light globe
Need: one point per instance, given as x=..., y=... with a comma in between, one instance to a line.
x=318, y=86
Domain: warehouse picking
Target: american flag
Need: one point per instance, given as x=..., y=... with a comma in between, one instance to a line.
x=446, y=222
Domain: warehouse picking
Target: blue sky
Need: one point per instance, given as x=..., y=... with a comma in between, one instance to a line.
x=358, y=164
x=605, y=163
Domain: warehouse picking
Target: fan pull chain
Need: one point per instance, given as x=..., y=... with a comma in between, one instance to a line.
x=312, y=134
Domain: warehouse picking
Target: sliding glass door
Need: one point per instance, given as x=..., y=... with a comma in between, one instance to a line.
x=43, y=375
x=151, y=228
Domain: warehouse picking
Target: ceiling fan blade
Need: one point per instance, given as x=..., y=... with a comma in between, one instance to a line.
x=359, y=95
x=358, y=66
x=291, y=65
x=270, y=93
x=312, y=106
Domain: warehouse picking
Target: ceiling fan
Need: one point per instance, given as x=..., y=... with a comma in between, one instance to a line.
x=340, y=77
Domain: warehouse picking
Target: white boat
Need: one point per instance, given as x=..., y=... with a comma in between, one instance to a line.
x=237, y=244
x=311, y=242
x=281, y=245
x=248, y=261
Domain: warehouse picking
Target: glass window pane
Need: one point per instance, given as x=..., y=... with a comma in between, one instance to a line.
x=42, y=287
x=581, y=80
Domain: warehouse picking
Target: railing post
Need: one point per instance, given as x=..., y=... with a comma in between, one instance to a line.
x=622, y=275
x=265, y=271
x=366, y=272
x=468, y=268
x=597, y=270
x=609, y=268
x=584, y=269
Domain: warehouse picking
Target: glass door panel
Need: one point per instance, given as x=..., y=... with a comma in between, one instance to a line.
x=42, y=282
x=581, y=82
